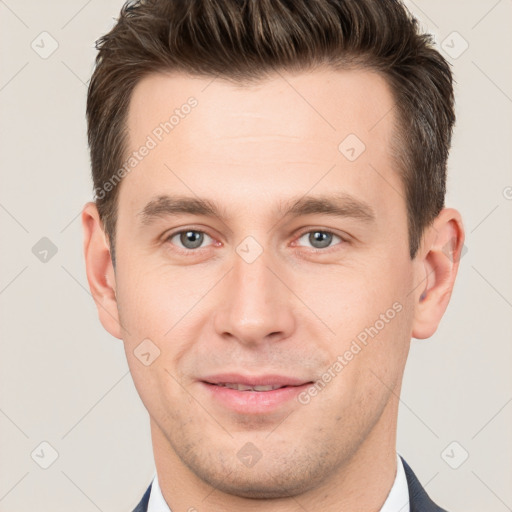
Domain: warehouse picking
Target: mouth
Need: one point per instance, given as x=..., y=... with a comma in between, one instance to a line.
x=253, y=394
x=244, y=387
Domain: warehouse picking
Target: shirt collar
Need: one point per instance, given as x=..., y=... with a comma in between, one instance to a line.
x=398, y=497
x=156, y=500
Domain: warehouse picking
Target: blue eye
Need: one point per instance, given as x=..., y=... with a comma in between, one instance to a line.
x=189, y=239
x=320, y=239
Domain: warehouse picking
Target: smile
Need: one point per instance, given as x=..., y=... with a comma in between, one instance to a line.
x=244, y=387
x=253, y=394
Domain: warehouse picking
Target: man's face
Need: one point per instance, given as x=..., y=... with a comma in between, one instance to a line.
x=255, y=294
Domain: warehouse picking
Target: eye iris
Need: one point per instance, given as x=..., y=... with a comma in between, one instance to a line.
x=321, y=237
x=191, y=239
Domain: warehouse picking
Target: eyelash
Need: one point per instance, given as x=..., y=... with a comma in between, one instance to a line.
x=191, y=252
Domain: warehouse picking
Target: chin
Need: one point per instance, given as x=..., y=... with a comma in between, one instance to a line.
x=261, y=486
x=276, y=479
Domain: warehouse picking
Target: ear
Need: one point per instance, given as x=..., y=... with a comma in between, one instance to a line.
x=436, y=269
x=99, y=269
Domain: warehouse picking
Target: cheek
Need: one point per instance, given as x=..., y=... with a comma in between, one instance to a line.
x=370, y=311
x=152, y=300
x=163, y=310
x=351, y=299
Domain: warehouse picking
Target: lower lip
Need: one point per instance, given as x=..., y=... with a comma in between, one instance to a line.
x=254, y=402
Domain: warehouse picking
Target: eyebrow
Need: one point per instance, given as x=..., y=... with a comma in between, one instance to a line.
x=336, y=205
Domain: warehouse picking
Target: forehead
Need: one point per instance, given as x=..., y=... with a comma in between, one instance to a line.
x=325, y=102
x=281, y=134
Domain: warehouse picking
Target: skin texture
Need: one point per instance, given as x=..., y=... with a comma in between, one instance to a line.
x=292, y=311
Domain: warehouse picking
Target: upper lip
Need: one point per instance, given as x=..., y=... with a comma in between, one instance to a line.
x=254, y=380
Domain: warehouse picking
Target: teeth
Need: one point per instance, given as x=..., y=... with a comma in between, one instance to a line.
x=243, y=387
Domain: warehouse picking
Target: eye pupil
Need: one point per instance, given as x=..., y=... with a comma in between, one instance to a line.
x=191, y=239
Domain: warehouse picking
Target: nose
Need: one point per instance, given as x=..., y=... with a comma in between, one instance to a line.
x=256, y=305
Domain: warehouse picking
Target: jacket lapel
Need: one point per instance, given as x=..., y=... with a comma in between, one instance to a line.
x=143, y=504
x=419, y=500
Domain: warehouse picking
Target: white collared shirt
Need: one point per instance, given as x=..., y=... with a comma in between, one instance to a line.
x=397, y=500
x=398, y=497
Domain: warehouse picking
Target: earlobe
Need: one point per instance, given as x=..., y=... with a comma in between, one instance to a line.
x=437, y=265
x=99, y=270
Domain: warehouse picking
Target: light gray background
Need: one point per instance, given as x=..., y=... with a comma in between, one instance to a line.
x=65, y=381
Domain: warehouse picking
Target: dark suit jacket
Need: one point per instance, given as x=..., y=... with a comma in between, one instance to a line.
x=419, y=500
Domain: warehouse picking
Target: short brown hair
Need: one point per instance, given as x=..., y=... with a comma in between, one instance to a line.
x=244, y=41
